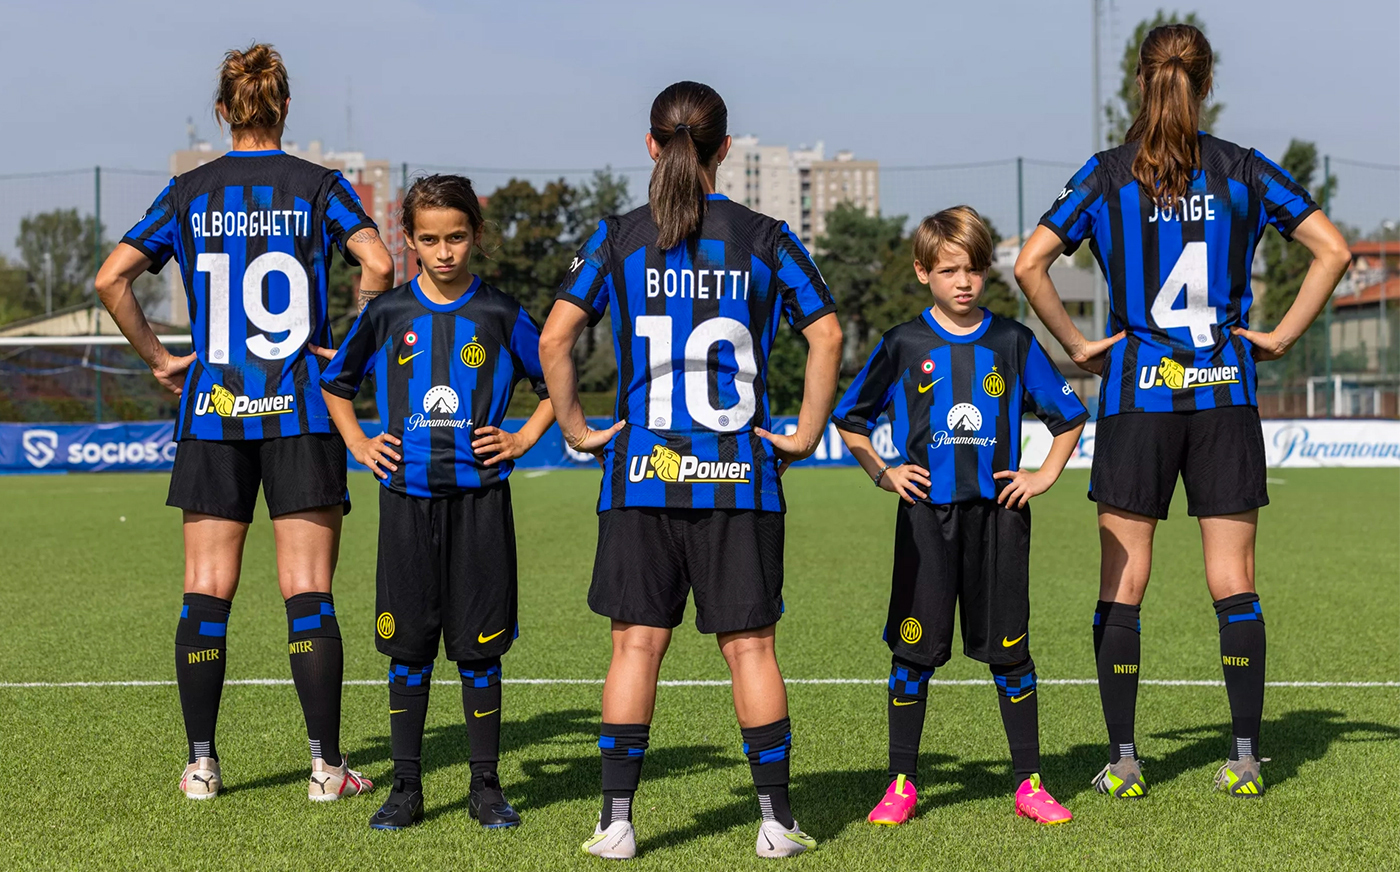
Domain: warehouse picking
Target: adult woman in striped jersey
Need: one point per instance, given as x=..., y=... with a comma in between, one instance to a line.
x=253, y=233
x=690, y=497
x=1173, y=217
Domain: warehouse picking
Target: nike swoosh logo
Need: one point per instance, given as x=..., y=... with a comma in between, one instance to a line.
x=904, y=701
x=923, y=389
x=484, y=714
x=1005, y=643
x=397, y=711
x=403, y=360
x=484, y=639
x=1022, y=696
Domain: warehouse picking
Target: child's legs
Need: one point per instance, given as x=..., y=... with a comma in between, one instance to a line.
x=919, y=625
x=408, y=600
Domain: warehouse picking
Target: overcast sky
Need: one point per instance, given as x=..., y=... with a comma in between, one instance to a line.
x=562, y=85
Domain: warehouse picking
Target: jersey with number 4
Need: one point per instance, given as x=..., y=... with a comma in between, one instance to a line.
x=253, y=232
x=1178, y=273
x=692, y=328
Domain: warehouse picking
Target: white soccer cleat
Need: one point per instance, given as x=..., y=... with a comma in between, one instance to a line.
x=201, y=779
x=617, y=842
x=774, y=840
x=329, y=783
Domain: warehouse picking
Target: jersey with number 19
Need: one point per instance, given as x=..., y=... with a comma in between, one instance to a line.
x=692, y=329
x=1178, y=273
x=252, y=232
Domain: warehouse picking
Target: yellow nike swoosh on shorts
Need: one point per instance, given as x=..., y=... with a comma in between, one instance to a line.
x=923, y=389
x=898, y=701
x=484, y=639
x=397, y=711
x=484, y=714
x=1023, y=696
x=403, y=360
x=1005, y=643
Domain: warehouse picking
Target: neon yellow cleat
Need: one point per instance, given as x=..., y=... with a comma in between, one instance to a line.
x=1241, y=778
x=1122, y=780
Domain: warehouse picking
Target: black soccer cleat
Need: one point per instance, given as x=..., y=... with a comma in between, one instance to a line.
x=402, y=809
x=488, y=805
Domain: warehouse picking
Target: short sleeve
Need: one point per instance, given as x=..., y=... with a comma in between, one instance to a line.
x=354, y=359
x=804, y=292
x=589, y=283
x=1071, y=215
x=1285, y=203
x=345, y=216
x=870, y=394
x=154, y=235
x=525, y=348
x=1047, y=393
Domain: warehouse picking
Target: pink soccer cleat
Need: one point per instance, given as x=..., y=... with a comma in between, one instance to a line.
x=898, y=804
x=1036, y=803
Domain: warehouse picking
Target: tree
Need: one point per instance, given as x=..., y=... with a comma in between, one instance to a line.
x=1120, y=115
x=68, y=239
x=859, y=256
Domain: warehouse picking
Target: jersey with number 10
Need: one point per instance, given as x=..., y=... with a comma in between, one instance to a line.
x=252, y=232
x=692, y=328
x=1178, y=274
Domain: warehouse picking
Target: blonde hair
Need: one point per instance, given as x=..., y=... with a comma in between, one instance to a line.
x=960, y=226
x=1174, y=76
x=253, y=88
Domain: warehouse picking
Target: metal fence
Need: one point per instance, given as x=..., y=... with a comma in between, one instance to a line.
x=82, y=383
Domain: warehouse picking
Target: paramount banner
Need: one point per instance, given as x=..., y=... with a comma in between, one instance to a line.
x=146, y=446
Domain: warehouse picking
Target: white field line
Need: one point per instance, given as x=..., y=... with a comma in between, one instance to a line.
x=945, y=682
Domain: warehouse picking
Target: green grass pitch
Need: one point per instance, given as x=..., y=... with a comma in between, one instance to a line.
x=88, y=774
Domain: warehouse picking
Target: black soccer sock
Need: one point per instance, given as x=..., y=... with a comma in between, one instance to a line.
x=908, y=703
x=623, y=746
x=1242, y=657
x=769, y=748
x=200, y=649
x=318, y=665
x=1020, y=715
x=1118, y=634
x=409, y=684
x=481, y=704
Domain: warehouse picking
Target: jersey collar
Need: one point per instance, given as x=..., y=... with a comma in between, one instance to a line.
x=263, y=153
x=958, y=337
x=715, y=197
x=445, y=307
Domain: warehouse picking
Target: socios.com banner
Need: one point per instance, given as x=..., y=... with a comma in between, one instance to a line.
x=146, y=446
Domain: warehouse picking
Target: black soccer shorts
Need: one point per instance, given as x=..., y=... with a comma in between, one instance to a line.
x=1219, y=454
x=297, y=473
x=446, y=570
x=649, y=559
x=972, y=556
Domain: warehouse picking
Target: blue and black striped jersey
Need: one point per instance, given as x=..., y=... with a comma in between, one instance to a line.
x=252, y=232
x=955, y=402
x=1178, y=275
x=692, y=328
x=440, y=372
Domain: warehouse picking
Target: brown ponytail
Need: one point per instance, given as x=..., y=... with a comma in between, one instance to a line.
x=1174, y=77
x=689, y=122
x=253, y=88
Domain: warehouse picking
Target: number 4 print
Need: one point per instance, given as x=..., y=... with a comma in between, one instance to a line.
x=295, y=320
x=1192, y=270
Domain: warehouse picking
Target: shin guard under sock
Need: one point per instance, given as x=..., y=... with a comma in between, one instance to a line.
x=481, y=705
x=623, y=746
x=200, y=649
x=769, y=749
x=409, y=684
x=318, y=666
x=908, y=704
x=1242, y=657
x=1118, y=638
x=1020, y=715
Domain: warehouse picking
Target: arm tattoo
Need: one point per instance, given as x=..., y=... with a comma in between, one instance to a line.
x=365, y=296
x=369, y=234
